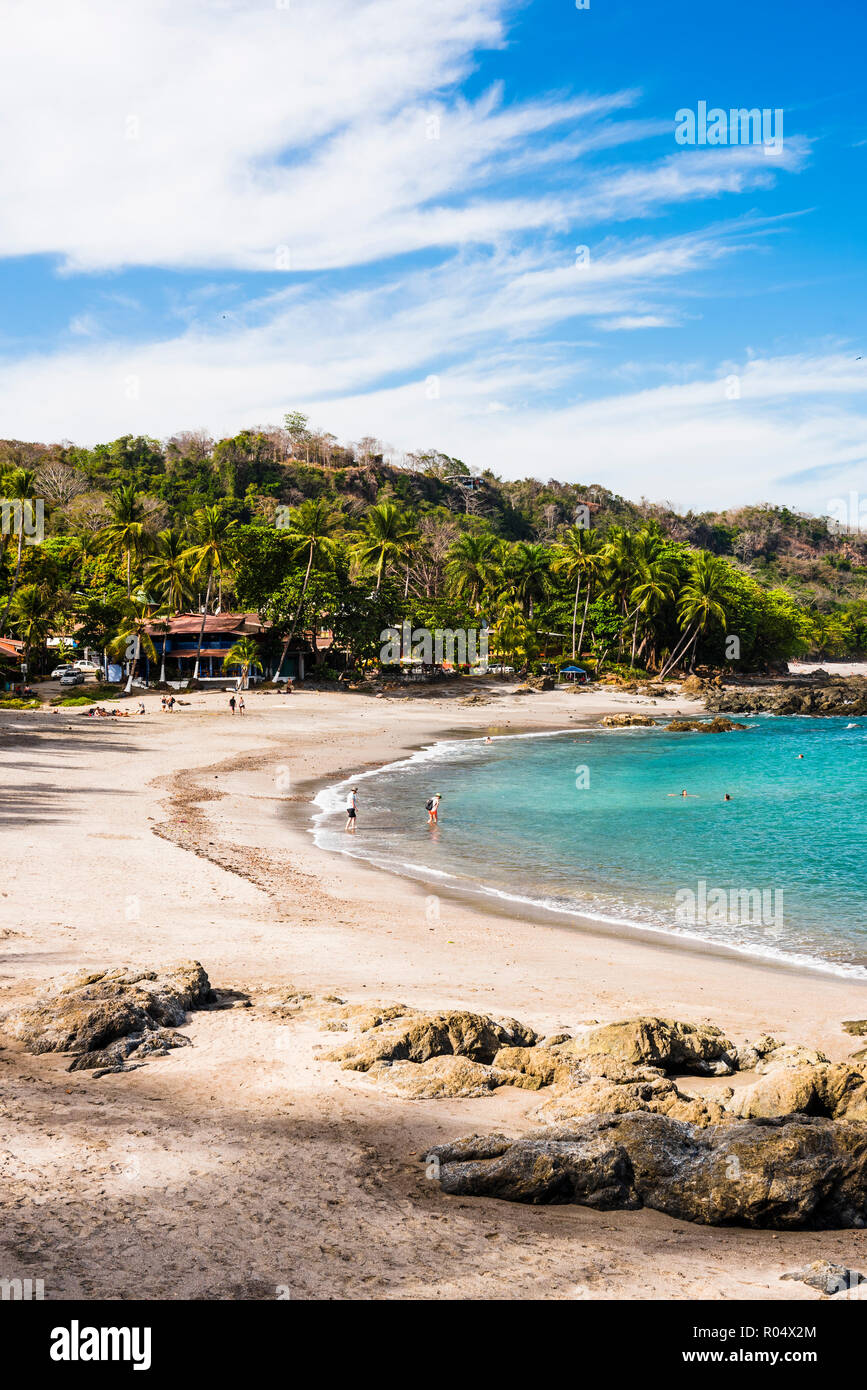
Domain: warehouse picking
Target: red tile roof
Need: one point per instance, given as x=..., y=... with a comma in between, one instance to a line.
x=216, y=624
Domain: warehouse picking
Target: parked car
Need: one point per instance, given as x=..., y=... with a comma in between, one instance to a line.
x=61, y=670
x=88, y=667
x=72, y=677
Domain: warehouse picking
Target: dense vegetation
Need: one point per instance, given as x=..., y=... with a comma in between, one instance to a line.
x=311, y=533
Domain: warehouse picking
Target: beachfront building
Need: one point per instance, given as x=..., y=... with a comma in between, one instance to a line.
x=177, y=646
x=11, y=660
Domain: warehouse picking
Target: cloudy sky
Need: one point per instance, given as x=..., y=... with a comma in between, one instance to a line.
x=453, y=224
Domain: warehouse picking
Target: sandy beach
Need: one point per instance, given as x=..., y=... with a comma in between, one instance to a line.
x=243, y=1165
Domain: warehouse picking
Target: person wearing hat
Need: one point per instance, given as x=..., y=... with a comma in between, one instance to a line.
x=432, y=807
x=351, y=809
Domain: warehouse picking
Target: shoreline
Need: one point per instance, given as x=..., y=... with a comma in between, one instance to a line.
x=171, y=837
x=488, y=898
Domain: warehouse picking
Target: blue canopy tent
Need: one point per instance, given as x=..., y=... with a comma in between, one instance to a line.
x=574, y=673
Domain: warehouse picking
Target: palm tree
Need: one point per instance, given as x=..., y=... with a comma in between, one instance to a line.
x=125, y=533
x=702, y=601
x=512, y=633
x=388, y=533
x=527, y=574
x=213, y=533
x=31, y=617
x=580, y=558
x=133, y=633
x=19, y=485
x=471, y=566
x=312, y=528
x=169, y=573
x=244, y=653
x=656, y=583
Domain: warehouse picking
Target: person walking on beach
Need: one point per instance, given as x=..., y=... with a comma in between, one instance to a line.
x=232, y=704
x=432, y=807
x=170, y=704
x=351, y=809
x=241, y=705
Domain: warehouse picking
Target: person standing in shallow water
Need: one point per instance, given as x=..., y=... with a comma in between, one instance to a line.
x=351, y=810
x=433, y=807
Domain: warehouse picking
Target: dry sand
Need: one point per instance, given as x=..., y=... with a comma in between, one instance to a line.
x=242, y=1165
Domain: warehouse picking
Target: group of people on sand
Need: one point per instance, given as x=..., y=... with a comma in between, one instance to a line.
x=239, y=702
x=432, y=806
x=100, y=712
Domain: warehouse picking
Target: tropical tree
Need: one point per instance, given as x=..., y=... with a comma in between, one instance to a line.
x=133, y=638
x=32, y=613
x=471, y=568
x=701, y=602
x=655, y=586
x=168, y=577
x=126, y=535
x=311, y=531
x=168, y=572
x=512, y=635
x=243, y=653
x=527, y=574
x=580, y=559
x=19, y=486
x=388, y=535
x=212, y=533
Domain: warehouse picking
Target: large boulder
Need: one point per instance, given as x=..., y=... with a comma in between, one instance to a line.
x=418, y=1037
x=703, y=726
x=834, y=1090
x=104, y=1016
x=828, y=1278
x=789, y=1173
x=661, y=1042
x=627, y=721
x=440, y=1078
x=657, y=1094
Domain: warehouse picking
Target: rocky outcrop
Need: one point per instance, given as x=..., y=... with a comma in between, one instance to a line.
x=789, y=1173
x=440, y=1078
x=820, y=695
x=105, y=1016
x=661, y=1042
x=796, y=1080
x=627, y=721
x=703, y=726
x=828, y=1278
x=650, y=1091
x=417, y=1037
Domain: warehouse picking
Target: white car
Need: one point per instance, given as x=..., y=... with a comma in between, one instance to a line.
x=88, y=667
x=72, y=677
x=61, y=670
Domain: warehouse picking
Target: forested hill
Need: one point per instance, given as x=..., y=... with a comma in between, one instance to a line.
x=311, y=533
x=259, y=469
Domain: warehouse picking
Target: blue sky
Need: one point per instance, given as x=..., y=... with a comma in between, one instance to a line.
x=218, y=210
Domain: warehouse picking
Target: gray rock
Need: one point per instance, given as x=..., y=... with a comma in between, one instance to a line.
x=790, y=1173
x=827, y=1277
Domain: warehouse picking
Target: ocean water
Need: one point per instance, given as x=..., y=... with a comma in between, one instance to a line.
x=591, y=823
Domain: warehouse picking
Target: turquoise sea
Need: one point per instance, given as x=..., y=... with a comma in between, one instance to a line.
x=591, y=823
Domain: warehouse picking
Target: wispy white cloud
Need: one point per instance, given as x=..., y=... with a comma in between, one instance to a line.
x=219, y=136
x=323, y=133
